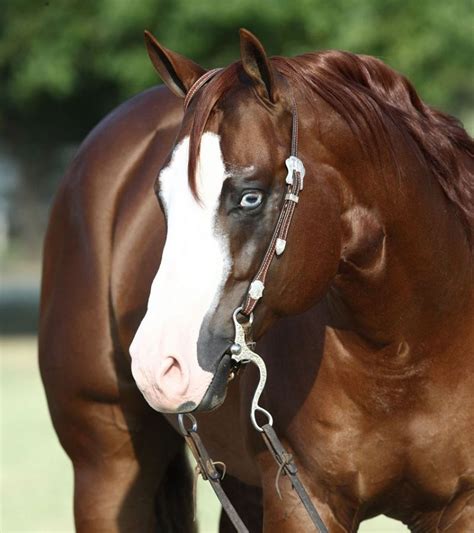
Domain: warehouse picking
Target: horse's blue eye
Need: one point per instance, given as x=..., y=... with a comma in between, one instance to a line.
x=251, y=200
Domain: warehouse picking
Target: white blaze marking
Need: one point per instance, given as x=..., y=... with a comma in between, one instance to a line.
x=193, y=269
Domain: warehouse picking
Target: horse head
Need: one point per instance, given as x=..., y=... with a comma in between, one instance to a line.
x=221, y=191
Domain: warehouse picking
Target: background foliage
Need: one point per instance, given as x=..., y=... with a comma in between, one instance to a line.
x=74, y=59
x=65, y=63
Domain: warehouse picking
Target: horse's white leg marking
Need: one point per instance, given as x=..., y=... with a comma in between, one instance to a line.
x=194, y=267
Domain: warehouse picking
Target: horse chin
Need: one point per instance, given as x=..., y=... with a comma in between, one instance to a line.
x=217, y=390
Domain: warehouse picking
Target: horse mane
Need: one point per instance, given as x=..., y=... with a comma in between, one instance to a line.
x=368, y=95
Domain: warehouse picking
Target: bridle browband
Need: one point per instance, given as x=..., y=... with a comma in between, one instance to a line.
x=240, y=351
x=200, y=82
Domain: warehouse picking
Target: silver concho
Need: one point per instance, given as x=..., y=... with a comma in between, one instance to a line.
x=280, y=246
x=293, y=163
x=256, y=289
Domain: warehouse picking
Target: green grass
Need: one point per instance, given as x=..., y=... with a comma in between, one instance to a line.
x=36, y=475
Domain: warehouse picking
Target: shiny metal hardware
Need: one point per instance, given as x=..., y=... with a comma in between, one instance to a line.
x=182, y=427
x=235, y=349
x=294, y=163
x=245, y=356
x=280, y=246
x=292, y=197
x=256, y=289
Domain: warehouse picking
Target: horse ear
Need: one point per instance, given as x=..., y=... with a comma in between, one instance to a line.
x=257, y=65
x=178, y=72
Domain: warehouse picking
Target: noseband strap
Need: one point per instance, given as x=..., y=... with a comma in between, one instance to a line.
x=294, y=181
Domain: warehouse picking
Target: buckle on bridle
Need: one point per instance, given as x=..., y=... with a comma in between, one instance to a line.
x=294, y=164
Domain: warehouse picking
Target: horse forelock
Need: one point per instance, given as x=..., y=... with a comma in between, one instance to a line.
x=371, y=98
x=205, y=102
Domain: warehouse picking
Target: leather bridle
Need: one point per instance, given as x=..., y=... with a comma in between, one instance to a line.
x=294, y=185
x=241, y=353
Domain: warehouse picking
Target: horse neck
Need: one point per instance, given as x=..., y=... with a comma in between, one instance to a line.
x=406, y=272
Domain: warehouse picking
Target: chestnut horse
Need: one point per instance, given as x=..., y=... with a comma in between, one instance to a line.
x=366, y=323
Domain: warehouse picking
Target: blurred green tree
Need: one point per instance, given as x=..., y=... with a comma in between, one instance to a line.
x=65, y=63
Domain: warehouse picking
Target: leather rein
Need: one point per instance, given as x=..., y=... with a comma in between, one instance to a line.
x=214, y=471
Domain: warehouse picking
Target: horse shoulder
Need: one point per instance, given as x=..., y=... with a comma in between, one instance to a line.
x=84, y=236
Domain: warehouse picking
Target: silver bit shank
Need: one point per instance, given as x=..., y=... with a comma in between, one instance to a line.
x=246, y=355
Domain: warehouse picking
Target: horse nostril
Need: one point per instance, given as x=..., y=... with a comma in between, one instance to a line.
x=171, y=369
x=172, y=378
